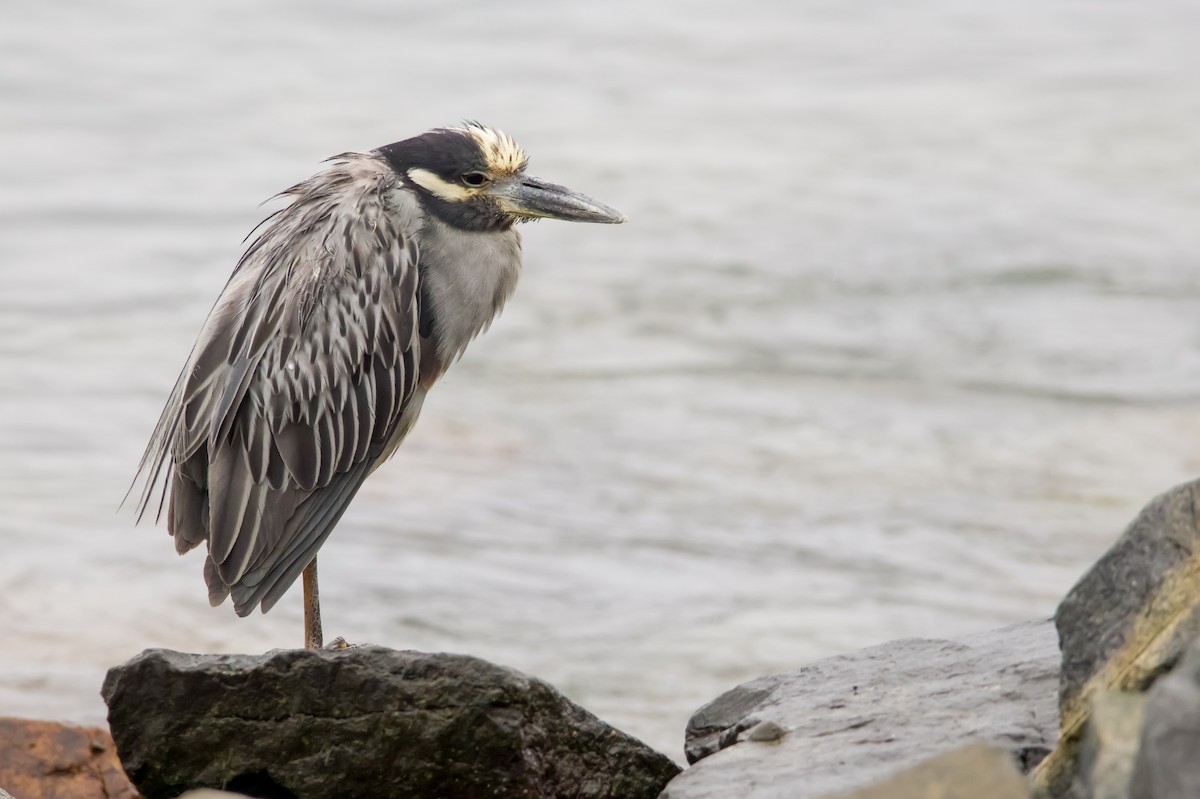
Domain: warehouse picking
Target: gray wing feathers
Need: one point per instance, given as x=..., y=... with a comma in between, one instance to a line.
x=295, y=386
x=304, y=533
x=188, y=515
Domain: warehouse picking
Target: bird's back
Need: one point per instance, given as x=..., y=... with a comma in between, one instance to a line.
x=303, y=377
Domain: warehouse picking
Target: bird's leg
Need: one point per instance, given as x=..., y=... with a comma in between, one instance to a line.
x=313, y=638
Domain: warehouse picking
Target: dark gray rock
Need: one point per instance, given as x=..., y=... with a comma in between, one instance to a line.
x=368, y=722
x=850, y=720
x=1168, y=760
x=1100, y=614
x=1128, y=619
x=977, y=771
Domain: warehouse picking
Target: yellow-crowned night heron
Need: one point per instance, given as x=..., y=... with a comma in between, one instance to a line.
x=313, y=364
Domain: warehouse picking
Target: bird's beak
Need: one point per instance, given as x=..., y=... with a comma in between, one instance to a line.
x=535, y=198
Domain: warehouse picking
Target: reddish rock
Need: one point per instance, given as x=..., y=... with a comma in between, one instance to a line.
x=49, y=760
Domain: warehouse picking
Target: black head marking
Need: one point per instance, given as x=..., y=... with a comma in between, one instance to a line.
x=449, y=153
x=446, y=152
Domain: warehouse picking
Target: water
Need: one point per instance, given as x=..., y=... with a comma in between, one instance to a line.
x=905, y=328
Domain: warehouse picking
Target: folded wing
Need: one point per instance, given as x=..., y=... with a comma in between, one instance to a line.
x=298, y=381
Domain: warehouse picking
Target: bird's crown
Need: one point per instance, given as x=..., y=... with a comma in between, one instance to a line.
x=501, y=151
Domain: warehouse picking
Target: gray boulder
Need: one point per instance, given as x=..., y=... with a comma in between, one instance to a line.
x=1168, y=759
x=367, y=722
x=847, y=721
x=1109, y=746
x=977, y=771
x=1127, y=621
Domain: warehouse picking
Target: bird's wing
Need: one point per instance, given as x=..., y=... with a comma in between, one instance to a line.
x=297, y=382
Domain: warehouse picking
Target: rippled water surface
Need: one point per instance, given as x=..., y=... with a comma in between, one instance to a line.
x=905, y=327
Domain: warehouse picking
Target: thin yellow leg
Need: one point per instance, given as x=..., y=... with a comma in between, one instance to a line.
x=313, y=638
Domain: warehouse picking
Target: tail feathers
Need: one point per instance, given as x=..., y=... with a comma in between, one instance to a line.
x=257, y=575
x=217, y=590
x=187, y=517
x=303, y=535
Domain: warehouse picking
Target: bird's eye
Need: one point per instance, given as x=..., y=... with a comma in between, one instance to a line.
x=475, y=179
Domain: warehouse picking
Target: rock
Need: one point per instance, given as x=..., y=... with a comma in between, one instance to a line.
x=843, y=722
x=1167, y=765
x=364, y=722
x=1110, y=744
x=977, y=771
x=1128, y=619
x=49, y=760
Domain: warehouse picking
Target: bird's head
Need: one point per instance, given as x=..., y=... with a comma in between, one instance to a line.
x=473, y=177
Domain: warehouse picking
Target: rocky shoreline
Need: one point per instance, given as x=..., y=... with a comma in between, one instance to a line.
x=1102, y=702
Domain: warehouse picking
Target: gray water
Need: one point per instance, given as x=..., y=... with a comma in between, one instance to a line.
x=904, y=329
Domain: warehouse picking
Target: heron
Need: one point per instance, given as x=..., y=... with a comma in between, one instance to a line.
x=346, y=306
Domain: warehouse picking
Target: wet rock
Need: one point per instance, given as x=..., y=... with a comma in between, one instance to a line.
x=364, y=722
x=977, y=771
x=844, y=722
x=49, y=760
x=1168, y=760
x=1110, y=745
x=1128, y=619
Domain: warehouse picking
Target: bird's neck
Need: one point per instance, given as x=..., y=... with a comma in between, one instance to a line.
x=466, y=278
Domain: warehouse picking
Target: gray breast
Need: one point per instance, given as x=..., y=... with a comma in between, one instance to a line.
x=466, y=279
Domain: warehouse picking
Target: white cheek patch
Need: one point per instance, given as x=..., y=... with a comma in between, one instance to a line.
x=439, y=187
